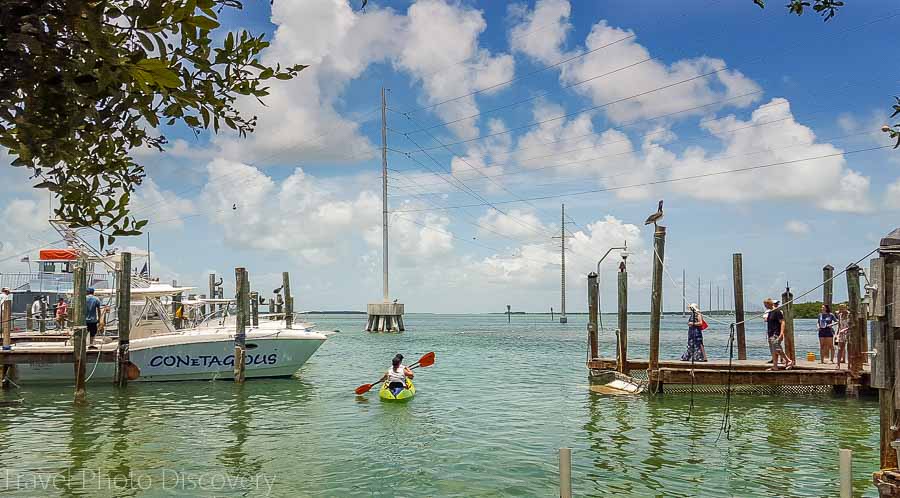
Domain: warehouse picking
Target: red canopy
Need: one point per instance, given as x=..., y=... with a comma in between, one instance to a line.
x=58, y=254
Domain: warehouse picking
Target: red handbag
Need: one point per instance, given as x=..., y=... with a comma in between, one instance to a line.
x=703, y=324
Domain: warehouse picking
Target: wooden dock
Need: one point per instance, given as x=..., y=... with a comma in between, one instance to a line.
x=740, y=372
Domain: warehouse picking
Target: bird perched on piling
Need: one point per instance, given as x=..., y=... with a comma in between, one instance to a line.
x=657, y=216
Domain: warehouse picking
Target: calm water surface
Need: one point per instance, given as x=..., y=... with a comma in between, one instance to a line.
x=487, y=421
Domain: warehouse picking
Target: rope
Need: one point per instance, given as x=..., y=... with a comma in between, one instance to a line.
x=726, y=411
x=96, y=362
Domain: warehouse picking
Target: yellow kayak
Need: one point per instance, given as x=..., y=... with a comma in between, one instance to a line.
x=386, y=395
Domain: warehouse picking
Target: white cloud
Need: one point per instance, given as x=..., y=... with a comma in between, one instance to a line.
x=647, y=76
x=300, y=215
x=892, y=195
x=302, y=117
x=165, y=209
x=536, y=264
x=515, y=223
x=439, y=37
x=827, y=182
x=797, y=227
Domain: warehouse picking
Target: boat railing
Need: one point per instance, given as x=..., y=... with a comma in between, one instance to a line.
x=39, y=281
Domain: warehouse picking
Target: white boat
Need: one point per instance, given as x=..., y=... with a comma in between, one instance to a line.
x=160, y=352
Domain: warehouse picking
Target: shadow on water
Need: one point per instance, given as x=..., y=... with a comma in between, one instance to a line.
x=234, y=456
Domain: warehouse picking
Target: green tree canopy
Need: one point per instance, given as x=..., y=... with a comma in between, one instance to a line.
x=83, y=82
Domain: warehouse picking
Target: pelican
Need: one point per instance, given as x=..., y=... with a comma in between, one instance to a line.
x=655, y=217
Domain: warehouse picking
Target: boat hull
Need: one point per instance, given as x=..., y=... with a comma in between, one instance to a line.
x=193, y=356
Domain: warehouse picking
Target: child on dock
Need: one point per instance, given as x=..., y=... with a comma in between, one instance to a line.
x=826, y=334
x=840, y=338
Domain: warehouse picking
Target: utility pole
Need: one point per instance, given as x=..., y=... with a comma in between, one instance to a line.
x=385, y=316
x=698, y=291
x=384, y=191
x=562, y=278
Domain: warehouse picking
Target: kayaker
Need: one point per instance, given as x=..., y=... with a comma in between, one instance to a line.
x=396, y=375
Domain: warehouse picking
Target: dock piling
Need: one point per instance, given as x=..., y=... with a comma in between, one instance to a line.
x=254, y=308
x=565, y=472
x=659, y=245
x=79, y=351
x=123, y=317
x=6, y=331
x=737, y=266
x=846, y=470
x=79, y=331
x=787, y=298
x=240, y=335
x=854, y=343
x=288, y=301
x=42, y=320
x=828, y=287
x=622, y=339
x=593, y=308
x=29, y=322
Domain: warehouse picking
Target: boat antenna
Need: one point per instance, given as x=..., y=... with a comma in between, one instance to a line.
x=148, y=255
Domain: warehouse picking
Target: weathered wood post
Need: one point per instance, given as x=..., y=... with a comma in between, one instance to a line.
x=254, y=308
x=593, y=308
x=885, y=276
x=659, y=246
x=6, y=331
x=565, y=473
x=123, y=314
x=29, y=321
x=846, y=472
x=737, y=268
x=240, y=336
x=854, y=342
x=42, y=326
x=79, y=330
x=622, y=339
x=787, y=307
x=508, y=314
x=828, y=287
x=288, y=301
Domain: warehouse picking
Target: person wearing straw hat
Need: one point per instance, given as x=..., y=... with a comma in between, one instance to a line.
x=695, y=350
x=775, y=333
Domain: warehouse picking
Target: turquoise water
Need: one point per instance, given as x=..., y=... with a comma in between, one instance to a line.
x=487, y=421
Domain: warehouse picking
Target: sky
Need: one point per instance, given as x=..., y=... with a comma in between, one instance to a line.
x=758, y=128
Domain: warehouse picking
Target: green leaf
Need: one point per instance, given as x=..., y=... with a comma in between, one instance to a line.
x=204, y=23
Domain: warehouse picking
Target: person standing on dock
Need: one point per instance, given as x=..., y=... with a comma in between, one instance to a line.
x=36, y=308
x=840, y=338
x=826, y=334
x=62, y=311
x=775, y=332
x=695, y=350
x=92, y=313
x=5, y=296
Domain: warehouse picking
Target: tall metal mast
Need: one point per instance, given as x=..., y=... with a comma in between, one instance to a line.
x=562, y=238
x=384, y=191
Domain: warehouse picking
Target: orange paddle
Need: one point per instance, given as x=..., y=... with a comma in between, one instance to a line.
x=425, y=361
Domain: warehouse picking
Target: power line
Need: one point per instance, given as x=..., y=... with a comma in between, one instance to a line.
x=526, y=75
x=669, y=180
x=753, y=61
x=471, y=242
x=463, y=159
